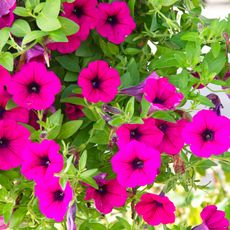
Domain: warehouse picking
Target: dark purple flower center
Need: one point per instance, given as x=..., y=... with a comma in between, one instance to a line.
x=158, y=100
x=135, y=134
x=112, y=20
x=96, y=83
x=4, y=142
x=163, y=127
x=208, y=135
x=58, y=195
x=78, y=11
x=137, y=164
x=45, y=161
x=102, y=190
x=158, y=204
x=2, y=111
x=34, y=87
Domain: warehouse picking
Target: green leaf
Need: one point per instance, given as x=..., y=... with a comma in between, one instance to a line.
x=7, y=211
x=20, y=28
x=58, y=36
x=117, y=121
x=17, y=217
x=100, y=137
x=69, y=62
x=7, y=60
x=11, y=105
x=4, y=36
x=68, y=26
x=129, y=109
x=21, y=11
x=215, y=64
x=83, y=160
x=70, y=77
x=90, y=181
x=55, y=121
x=215, y=48
x=190, y=36
x=74, y=100
x=163, y=115
x=47, y=20
x=89, y=173
x=205, y=101
x=69, y=128
x=145, y=105
x=33, y=35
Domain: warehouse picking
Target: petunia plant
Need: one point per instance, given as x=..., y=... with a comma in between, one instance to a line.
x=105, y=123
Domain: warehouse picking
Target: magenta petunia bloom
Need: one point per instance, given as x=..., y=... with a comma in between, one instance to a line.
x=114, y=21
x=99, y=82
x=42, y=160
x=74, y=112
x=5, y=79
x=172, y=141
x=110, y=194
x=162, y=94
x=13, y=140
x=52, y=199
x=36, y=53
x=6, y=13
x=156, y=209
x=73, y=44
x=18, y=114
x=136, y=164
x=208, y=134
x=147, y=133
x=83, y=12
x=213, y=219
x=34, y=87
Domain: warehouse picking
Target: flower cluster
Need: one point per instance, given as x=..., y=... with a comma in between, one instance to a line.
x=111, y=20
x=107, y=129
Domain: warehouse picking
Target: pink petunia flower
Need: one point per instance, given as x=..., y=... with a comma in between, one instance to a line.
x=74, y=112
x=156, y=209
x=52, y=199
x=18, y=114
x=34, y=87
x=213, y=219
x=172, y=141
x=13, y=140
x=208, y=134
x=147, y=133
x=83, y=12
x=42, y=160
x=73, y=44
x=110, y=194
x=162, y=94
x=99, y=82
x=114, y=21
x=6, y=13
x=3, y=226
x=136, y=164
x=5, y=79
